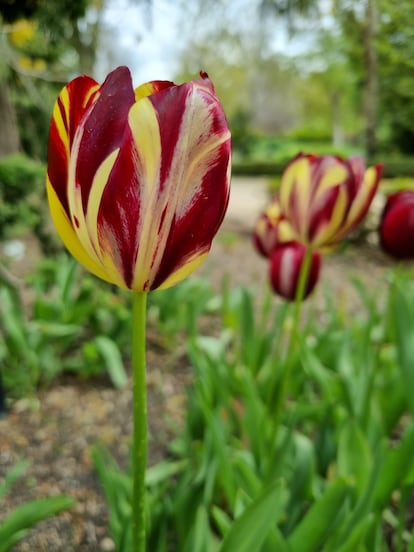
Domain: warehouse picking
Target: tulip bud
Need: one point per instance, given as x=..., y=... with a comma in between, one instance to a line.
x=138, y=180
x=286, y=262
x=397, y=225
x=271, y=229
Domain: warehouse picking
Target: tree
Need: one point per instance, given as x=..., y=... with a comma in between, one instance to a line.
x=396, y=68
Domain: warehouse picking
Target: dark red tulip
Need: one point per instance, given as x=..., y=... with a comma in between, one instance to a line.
x=397, y=225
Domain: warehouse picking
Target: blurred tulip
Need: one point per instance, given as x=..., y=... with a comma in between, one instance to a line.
x=325, y=197
x=138, y=180
x=397, y=225
x=271, y=229
x=286, y=262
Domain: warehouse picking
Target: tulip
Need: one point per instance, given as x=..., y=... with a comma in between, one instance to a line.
x=397, y=225
x=324, y=198
x=286, y=263
x=138, y=185
x=138, y=180
x=271, y=229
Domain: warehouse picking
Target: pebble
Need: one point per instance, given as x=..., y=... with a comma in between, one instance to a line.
x=107, y=545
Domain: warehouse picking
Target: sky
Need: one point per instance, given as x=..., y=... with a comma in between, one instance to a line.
x=148, y=44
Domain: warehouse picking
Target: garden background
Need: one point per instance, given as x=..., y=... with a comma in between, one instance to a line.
x=314, y=76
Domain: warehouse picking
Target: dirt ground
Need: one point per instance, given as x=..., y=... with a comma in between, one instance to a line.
x=56, y=430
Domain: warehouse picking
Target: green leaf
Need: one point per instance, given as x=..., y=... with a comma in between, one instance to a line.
x=357, y=534
x=27, y=515
x=250, y=530
x=403, y=323
x=109, y=351
x=395, y=468
x=164, y=470
x=13, y=475
x=319, y=521
x=354, y=455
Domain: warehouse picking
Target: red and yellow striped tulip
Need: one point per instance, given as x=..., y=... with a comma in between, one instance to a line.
x=138, y=179
x=325, y=197
x=271, y=229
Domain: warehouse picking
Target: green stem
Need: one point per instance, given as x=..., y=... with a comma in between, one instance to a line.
x=140, y=433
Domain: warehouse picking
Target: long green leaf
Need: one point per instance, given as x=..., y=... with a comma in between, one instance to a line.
x=30, y=513
x=250, y=530
x=111, y=355
x=396, y=466
x=13, y=475
x=314, y=528
x=354, y=455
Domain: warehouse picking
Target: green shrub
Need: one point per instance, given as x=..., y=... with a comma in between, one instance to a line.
x=396, y=166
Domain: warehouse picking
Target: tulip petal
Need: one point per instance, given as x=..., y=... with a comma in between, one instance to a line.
x=362, y=200
x=102, y=131
x=149, y=88
x=72, y=103
x=68, y=235
x=295, y=193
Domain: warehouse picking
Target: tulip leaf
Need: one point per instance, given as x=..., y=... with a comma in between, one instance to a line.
x=403, y=318
x=13, y=475
x=109, y=351
x=395, y=468
x=354, y=455
x=319, y=521
x=25, y=516
x=251, y=528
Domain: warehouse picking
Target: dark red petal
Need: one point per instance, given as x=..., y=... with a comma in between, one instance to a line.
x=104, y=127
x=71, y=105
x=196, y=230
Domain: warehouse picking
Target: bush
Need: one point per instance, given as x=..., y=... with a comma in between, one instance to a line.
x=396, y=166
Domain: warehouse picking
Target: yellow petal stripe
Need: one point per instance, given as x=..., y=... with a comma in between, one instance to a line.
x=184, y=271
x=68, y=236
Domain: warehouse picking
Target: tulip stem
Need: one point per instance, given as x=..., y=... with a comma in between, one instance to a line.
x=140, y=432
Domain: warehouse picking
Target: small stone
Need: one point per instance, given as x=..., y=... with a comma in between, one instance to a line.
x=107, y=545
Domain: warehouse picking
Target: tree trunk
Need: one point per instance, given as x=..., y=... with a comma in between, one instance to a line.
x=9, y=135
x=336, y=126
x=371, y=75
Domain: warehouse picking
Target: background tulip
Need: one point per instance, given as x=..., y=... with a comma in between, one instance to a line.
x=397, y=225
x=325, y=197
x=286, y=262
x=138, y=180
x=271, y=229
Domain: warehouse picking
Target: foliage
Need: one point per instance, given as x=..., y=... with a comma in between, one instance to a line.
x=75, y=324
x=15, y=525
x=21, y=182
x=394, y=166
x=66, y=328
x=396, y=53
x=339, y=451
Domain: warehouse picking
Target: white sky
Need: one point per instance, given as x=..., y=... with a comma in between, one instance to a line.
x=148, y=46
